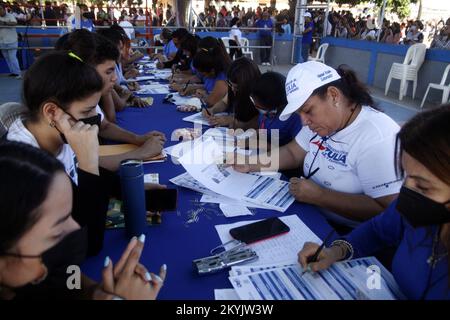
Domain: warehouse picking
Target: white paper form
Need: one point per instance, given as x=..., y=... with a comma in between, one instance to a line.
x=225, y=294
x=219, y=199
x=202, y=165
x=178, y=100
x=342, y=281
x=234, y=210
x=198, y=118
x=141, y=78
x=185, y=180
x=154, y=88
x=283, y=249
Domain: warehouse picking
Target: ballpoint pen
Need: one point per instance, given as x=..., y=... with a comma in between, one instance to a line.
x=204, y=106
x=314, y=257
x=187, y=83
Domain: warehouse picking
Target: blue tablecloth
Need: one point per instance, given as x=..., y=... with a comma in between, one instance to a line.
x=176, y=242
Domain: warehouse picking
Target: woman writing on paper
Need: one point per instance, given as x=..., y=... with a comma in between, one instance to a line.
x=418, y=222
x=345, y=146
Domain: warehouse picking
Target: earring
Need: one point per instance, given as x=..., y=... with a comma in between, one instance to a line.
x=336, y=104
x=52, y=124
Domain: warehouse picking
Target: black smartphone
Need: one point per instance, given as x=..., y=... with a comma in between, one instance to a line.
x=260, y=230
x=158, y=200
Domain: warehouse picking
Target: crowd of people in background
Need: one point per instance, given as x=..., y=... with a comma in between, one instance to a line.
x=341, y=24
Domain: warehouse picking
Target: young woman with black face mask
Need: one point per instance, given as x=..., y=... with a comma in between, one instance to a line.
x=418, y=222
x=61, y=93
x=35, y=210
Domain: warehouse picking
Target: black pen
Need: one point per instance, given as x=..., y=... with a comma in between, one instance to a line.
x=314, y=257
x=187, y=83
x=204, y=106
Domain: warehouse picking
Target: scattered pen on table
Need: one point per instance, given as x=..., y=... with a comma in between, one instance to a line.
x=315, y=256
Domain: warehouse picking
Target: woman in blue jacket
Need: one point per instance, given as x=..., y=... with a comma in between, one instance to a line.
x=417, y=223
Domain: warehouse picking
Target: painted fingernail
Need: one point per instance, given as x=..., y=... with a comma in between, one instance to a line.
x=164, y=267
x=158, y=278
x=148, y=276
x=142, y=238
x=106, y=263
x=133, y=239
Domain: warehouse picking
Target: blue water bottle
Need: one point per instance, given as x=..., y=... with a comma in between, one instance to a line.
x=133, y=197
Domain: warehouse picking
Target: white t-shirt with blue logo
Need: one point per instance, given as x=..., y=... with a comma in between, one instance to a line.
x=18, y=132
x=358, y=159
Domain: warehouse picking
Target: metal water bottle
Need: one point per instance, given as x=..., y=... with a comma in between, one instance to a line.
x=133, y=197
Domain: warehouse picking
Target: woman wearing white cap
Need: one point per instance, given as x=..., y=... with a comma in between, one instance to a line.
x=346, y=148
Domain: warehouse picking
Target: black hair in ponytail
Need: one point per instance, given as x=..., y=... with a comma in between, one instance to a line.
x=353, y=89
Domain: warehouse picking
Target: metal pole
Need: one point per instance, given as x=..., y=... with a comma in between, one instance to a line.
x=383, y=10
x=299, y=24
x=325, y=22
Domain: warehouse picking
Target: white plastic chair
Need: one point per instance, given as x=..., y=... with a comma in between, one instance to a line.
x=9, y=112
x=320, y=56
x=156, y=37
x=439, y=86
x=408, y=70
x=226, y=42
x=245, y=47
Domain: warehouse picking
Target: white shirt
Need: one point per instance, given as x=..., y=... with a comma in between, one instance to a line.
x=100, y=111
x=18, y=132
x=358, y=159
x=128, y=27
x=235, y=32
x=8, y=35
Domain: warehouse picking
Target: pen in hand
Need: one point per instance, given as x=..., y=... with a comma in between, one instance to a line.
x=185, y=87
x=315, y=256
x=204, y=106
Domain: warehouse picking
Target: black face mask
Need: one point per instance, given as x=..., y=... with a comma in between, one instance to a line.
x=94, y=120
x=71, y=250
x=421, y=211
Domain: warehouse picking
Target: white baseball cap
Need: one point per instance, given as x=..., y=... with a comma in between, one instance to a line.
x=307, y=14
x=301, y=82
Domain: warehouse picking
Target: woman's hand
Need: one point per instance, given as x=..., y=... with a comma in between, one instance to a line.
x=326, y=258
x=220, y=121
x=125, y=279
x=140, y=140
x=151, y=147
x=83, y=139
x=305, y=190
x=187, y=108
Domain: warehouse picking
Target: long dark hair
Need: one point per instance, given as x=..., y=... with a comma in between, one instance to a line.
x=217, y=49
x=426, y=138
x=59, y=78
x=92, y=48
x=27, y=174
x=353, y=89
x=269, y=91
x=242, y=72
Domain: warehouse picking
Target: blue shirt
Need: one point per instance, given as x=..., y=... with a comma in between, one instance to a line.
x=307, y=37
x=119, y=74
x=169, y=48
x=264, y=24
x=209, y=83
x=414, y=246
x=287, y=28
x=85, y=24
x=288, y=129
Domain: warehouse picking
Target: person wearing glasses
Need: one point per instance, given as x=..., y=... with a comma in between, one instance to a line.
x=345, y=148
x=269, y=97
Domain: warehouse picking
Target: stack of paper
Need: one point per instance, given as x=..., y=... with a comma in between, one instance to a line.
x=188, y=101
x=349, y=280
x=204, y=163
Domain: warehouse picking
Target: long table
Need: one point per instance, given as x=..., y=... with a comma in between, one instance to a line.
x=180, y=238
